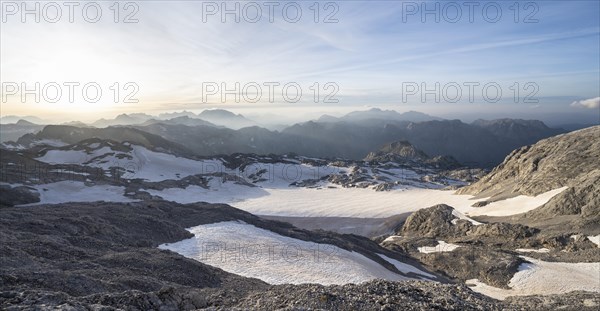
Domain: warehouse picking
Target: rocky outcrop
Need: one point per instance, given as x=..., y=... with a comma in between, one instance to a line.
x=403, y=152
x=395, y=152
x=484, y=251
x=481, y=253
x=488, y=264
x=582, y=198
x=439, y=221
x=433, y=222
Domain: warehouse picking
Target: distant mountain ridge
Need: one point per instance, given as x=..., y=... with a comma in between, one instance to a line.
x=12, y=131
x=354, y=136
x=226, y=118
x=123, y=119
x=391, y=115
x=182, y=120
x=211, y=117
x=171, y=115
x=14, y=119
x=524, y=130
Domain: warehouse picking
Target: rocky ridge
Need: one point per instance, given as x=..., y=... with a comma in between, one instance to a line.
x=567, y=160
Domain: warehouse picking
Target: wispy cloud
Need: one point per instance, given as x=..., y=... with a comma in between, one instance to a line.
x=369, y=53
x=591, y=103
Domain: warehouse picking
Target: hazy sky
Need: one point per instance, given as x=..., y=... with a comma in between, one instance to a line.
x=373, y=54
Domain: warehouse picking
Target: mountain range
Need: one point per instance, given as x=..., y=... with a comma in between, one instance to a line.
x=483, y=143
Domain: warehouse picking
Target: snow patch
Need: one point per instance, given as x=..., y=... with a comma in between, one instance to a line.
x=157, y=166
x=392, y=238
x=516, y=205
x=545, y=278
x=460, y=215
x=439, y=248
x=406, y=268
x=595, y=239
x=249, y=251
x=531, y=250
x=64, y=157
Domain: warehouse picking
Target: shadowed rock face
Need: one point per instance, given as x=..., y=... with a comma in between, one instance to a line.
x=18, y=195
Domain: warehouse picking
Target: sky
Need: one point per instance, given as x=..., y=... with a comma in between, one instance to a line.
x=537, y=60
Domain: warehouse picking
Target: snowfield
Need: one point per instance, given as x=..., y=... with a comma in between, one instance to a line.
x=329, y=200
x=346, y=202
x=249, y=251
x=545, y=278
x=314, y=198
x=356, y=202
x=217, y=192
x=275, y=197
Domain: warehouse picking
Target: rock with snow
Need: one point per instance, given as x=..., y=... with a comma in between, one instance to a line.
x=568, y=160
